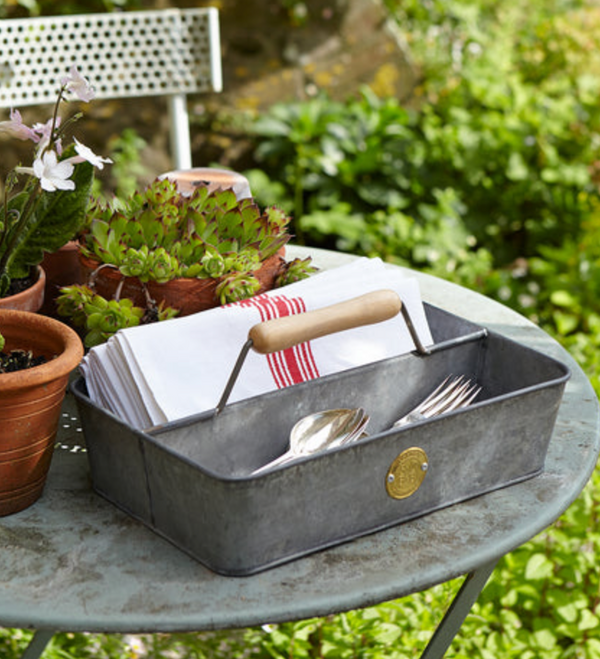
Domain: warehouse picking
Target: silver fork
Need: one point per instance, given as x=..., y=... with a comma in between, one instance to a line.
x=451, y=394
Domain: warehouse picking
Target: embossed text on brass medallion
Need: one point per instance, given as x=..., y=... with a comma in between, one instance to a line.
x=406, y=473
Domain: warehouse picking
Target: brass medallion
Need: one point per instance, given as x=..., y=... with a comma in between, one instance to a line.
x=406, y=473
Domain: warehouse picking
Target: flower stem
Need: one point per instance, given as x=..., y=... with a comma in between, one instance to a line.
x=61, y=91
x=6, y=214
x=53, y=132
x=21, y=223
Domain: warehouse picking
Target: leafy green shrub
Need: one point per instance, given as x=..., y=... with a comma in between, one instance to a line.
x=517, y=175
x=128, y=171
x=512, y=132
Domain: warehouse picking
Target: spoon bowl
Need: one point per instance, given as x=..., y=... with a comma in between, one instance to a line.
x=320, y=431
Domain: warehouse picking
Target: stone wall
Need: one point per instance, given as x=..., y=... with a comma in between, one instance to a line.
x=269, y=55
x=340, y=46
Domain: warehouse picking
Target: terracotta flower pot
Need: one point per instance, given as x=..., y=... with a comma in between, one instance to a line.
x=62, y=268
x=30, y=404
x=187, y=295
x=188, y=180
x=31, y=299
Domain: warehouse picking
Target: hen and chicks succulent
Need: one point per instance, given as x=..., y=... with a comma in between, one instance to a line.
x=160, y=235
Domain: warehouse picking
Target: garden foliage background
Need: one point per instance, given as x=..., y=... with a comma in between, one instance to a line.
x=488, y=177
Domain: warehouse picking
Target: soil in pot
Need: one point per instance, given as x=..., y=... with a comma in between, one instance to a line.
x=19, y=360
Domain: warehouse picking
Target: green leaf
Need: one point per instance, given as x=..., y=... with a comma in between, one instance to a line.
x=516, y=169
x=56, y=219
x=565, y=322
x=592, y=648
x=588, y=621
x=271, y=127
x=562, y=298
x=387, y=633
x=545, y=638
x=539, y=567
x=565, y=603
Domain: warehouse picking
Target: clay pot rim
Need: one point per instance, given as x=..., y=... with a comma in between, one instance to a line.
x=60, y=366
x=39, y=284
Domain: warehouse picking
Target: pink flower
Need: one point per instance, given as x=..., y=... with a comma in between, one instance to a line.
x=16, y=128
x=44, y=131
x=78, y=85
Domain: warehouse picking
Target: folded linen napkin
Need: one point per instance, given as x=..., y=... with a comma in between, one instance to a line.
x=152, y=374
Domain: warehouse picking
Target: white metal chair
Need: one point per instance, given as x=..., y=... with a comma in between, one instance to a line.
x=171, y=52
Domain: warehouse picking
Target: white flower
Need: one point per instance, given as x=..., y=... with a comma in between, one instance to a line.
x=53, y=175
x=86, y=153
x=78, y=85
x=25, y=170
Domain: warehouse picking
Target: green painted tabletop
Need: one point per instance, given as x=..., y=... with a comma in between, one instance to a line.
x=74, y=562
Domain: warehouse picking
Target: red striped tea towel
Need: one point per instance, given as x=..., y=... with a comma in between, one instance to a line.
x=156, y=373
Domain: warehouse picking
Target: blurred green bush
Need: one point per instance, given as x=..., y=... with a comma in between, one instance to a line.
x=490, y=178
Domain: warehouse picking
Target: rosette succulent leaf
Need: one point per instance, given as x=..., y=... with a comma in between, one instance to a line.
x=100, y=318
x=237, y=287
x=159, y=235
x=213, y=262
x=294, y=271
x=105, y=317
x=150, y=229
x=162, y=266
x=189, y=253
x=72, y=302
x=185, y=227
x=135, y=263
x=109, y=240
x=248, y=260
x=269, y=246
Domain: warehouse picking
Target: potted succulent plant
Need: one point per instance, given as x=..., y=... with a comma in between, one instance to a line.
x=164, y=253
x=37, y=354
x=44, y=205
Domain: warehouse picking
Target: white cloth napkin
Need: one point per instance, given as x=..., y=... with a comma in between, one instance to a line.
x=161, y=372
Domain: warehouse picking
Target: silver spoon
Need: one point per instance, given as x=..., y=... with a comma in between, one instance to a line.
x=320, y=431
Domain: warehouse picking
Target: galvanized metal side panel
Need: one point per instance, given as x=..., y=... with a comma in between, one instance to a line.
x=116, y=457
x=191, y=482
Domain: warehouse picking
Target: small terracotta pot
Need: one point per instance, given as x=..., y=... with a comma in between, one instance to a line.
x=187, y=180
x=30, y=404
x=62, y=268
x=188, y=295
x=31, y=299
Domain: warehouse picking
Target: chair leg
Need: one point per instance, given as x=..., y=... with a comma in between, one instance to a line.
x=458, y=611
x=181, y=144
x=38, y=644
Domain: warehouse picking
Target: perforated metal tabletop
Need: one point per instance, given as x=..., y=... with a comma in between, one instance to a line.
x=74, y=562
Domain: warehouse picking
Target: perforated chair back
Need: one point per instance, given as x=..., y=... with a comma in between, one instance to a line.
x=171, y=52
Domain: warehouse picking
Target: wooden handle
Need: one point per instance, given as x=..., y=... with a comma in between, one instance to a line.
x=282, y=333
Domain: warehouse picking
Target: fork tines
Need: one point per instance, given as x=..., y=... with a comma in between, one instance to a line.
x=451, y=394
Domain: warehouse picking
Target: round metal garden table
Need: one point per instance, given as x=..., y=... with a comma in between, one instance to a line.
x=73, y=562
